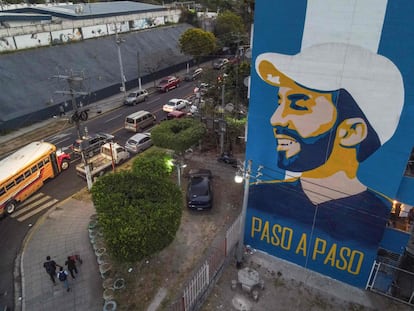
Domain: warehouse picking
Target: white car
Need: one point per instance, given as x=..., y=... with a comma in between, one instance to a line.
x=138, y=142
x=176, y=104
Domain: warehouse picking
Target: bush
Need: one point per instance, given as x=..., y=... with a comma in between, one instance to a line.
x=178, y=135
x=139, y=216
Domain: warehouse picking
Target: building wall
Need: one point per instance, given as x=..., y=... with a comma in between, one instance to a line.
x=64, y=30
x=322, y=187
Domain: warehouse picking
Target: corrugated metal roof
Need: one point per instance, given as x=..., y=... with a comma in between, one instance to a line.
x=4, y=17
x=93, y=10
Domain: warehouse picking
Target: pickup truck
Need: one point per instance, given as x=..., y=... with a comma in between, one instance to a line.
x=111, y=154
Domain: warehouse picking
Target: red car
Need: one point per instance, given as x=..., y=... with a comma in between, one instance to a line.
x=168, y=83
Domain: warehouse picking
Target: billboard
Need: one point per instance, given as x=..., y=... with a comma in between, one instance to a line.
x=329, y=130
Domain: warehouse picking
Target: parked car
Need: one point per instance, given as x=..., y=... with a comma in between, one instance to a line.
x=138, y=142
x=199, y=189
x=168, y=83
x=176, y=114
x=175, y=104
x=193, y=74
x=136, y=97
x=202, y=88
x=220, y=63
x=91, y=144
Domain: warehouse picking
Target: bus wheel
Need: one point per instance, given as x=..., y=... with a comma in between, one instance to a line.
x=65, y=165
x=10, y=207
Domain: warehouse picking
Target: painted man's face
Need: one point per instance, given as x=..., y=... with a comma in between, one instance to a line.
x=302, y=123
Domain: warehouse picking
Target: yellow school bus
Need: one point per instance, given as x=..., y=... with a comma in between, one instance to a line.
x=25, y=171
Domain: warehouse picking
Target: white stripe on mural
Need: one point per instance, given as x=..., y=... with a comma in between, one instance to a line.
x=357, y=22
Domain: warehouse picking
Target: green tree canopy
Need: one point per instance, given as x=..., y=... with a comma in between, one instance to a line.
x=197, y=42
x=178, y=134
x=139, y=216
x=229, y=29
x=153, y=164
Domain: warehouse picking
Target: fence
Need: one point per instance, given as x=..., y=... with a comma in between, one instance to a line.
x=203, y=280
x=388, y=280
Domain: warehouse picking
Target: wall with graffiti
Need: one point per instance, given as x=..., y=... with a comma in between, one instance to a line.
x=38, y=39
x=329, y=131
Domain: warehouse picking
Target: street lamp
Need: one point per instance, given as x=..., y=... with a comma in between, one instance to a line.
x=245, y=175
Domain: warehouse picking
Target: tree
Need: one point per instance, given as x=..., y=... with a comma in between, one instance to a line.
x=154, y=164
x=197, y=42
x=139, y=216
x=178, y=134
x=229, y=29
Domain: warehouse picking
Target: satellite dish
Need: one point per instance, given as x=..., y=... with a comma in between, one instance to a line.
x=246, y=81
x=248, y=53
x=229, y=107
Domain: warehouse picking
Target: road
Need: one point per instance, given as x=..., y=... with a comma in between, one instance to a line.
x=14, y=228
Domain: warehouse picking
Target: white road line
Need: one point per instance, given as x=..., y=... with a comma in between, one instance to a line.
x=28, y=206
x=113, y=118
x=37, y=210
x=32, y=198
x=61, y=141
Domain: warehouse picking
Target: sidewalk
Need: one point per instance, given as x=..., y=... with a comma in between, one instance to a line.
x=61, y=232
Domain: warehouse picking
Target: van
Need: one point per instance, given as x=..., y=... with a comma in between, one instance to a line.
x=139, y=120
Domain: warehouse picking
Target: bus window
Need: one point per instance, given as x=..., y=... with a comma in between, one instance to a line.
x=27, y=173
x=2, y=191
x=34, y=169
x=47, y=160
x=9, y=186
x=19, y=179
x=40, y=164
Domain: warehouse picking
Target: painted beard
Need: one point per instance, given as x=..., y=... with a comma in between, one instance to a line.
x=298, y=154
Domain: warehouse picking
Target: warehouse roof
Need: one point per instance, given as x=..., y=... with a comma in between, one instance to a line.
x=91, y=10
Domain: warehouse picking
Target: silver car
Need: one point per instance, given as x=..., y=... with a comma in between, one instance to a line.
x=136, y=97
x=139, y=142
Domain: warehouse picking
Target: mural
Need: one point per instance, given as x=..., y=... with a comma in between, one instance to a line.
x=7, y=44
x=120, y=27
x=323, y=101
x=32, y=40
x=94, y=31
x=65, y=36
x=146, y=23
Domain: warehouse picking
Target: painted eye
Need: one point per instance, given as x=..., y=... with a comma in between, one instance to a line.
x=298, y=101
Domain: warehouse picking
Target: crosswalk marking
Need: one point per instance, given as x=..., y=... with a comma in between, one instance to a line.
x=37, y=210
x=33, y=205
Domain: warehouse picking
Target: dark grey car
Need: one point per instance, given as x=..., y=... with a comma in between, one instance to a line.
x=199, y=190
x=91, y=144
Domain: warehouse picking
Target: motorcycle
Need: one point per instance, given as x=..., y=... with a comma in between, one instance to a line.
x=227, y=158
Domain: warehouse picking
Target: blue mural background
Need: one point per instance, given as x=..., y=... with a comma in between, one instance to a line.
x=279, y=27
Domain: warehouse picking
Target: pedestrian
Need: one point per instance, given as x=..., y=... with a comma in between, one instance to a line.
x=50, y=266
x=71, y=263
x=63, y=277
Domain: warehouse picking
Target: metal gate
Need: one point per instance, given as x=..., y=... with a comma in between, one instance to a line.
x=393, y=282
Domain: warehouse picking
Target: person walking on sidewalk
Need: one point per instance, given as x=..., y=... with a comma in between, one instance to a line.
x=71, y=266
x=50, y=266
x=63, y=277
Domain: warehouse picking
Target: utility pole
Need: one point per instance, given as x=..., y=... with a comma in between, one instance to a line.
x=119, y=41
x=139, y=71
x=75, y=82
x=240, y=244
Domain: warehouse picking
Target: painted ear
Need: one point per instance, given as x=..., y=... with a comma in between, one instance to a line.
x=352, y=131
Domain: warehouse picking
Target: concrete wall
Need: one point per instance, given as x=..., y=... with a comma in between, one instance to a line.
x=28, y=83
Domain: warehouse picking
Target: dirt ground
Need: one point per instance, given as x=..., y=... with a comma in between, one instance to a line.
x=172, y=267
